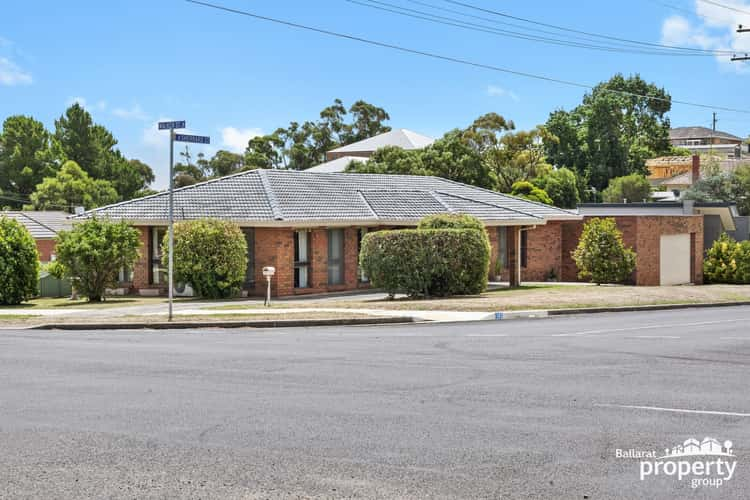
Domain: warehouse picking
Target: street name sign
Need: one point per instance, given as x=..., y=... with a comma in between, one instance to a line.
x=171, y=125
x=200, y=139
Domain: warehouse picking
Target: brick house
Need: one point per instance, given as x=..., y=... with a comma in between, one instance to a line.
x=43, y=226
x=309, y=225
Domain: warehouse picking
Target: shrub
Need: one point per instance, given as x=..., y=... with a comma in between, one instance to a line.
x=19, y=263
x=727, y=261
x=210, y=255
x=427, y=262
x=451, y=221
x=561, y=186
x=633, y=188
x=93, y=253
x=527, y=190
x=601, y=255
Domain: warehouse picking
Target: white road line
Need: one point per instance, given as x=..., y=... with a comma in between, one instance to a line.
x=653, y=337
x=734, y=338
x=652, y=327
x=673, y=410
x=488, y=335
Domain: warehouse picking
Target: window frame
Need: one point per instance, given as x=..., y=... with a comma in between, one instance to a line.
x=338, y=262
x=299, y=264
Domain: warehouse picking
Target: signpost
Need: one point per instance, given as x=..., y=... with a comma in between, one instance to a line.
x=172, y=126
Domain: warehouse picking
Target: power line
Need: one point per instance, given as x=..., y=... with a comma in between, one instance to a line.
x=580, y=32
x=449, y=21
x=27, y=201
x=456, y=60
x=724, y=6
x=685, y=10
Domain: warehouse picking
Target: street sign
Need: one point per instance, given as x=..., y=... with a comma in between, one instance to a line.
x=171, y=125
x=200, y=139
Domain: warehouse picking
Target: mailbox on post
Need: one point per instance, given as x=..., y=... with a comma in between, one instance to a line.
x=268, y=272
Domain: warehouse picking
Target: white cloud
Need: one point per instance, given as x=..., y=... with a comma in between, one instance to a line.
x=235, y=139
x=135, y=112
x=496, y=91
x=11, y=74
x=715, y=29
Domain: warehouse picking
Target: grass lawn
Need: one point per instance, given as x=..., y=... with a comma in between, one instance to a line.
x=540, y=297
x=54, y=303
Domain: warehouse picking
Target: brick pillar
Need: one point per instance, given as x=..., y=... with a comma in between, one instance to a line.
x=514, y=255
x=695, y=169
x=319, y=259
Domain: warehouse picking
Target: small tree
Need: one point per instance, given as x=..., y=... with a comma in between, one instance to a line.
x=93, y=253
x=727, y=261
x=601, y=255
x=633, y=188
x=19, y=263
x=561, y=186
x=210, y=255
x=527, y=190
x=70, y=187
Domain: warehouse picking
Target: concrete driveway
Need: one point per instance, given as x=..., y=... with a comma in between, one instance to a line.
x=523, y=409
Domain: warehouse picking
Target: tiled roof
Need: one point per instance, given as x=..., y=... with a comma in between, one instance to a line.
x=278, y=197
x=402, y=138
x=680, y=133
x=41, y=224
x=337, y=165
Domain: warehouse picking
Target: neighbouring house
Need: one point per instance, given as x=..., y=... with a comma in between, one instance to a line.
x=699, y=140
x=43, y=226
x=673, y=174
x=338, y=159
x=309, y=225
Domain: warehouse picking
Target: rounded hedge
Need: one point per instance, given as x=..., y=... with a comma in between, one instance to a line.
x=451, y=221
x=210, y=255
x=429, y=262
x=727, y=261
x=19, y=263
x=601, y=255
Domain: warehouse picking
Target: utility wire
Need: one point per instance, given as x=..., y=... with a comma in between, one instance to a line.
x=580, y=32
x=724, y=6
x=456, y=60
x=26, y=201
x=389, y=7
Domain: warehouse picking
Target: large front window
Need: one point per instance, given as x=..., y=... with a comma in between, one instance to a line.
x=335, y=256
x=301, y=259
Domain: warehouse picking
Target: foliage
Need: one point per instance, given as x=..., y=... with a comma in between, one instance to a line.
x=634, y=188
x=301, y=146
x=527, y=190
x=210, y=255
x=19, y=263
x=25, y=157
x=391, y=160
x=613, y=131
x=72, y=187
x=715, y=185
x=518, y=157
x=428, y=262
x=451, y=221
x=93, y=253
x=77, y=138
x=453, y=157
x=727, y=261
x=561, y=186
x=601, y=255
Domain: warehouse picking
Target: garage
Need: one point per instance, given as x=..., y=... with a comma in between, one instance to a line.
x=674, y=259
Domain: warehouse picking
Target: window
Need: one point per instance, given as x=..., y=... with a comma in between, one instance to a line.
x=362, y=276
x=301, y=259
x=502, y=246
x=125, y=275
x=524, y=248
x=249, y=233
x=335, y=256
x=158, y=274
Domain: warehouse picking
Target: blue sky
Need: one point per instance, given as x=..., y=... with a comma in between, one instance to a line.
x=231, y=76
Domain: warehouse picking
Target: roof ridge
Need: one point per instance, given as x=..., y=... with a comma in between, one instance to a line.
x=38, y=222
x=437, y=198
x=367, y=204
x=270, y=194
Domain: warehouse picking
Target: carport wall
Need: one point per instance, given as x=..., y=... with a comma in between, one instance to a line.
x=642, y=234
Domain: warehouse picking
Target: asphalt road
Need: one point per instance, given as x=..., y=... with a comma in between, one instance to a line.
x=514, y=409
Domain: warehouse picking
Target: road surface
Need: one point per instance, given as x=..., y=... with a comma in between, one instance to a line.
x=514, y=409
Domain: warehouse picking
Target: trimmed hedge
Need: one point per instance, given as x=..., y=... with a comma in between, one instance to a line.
x=451, y=221
x=427, y=262
x=19, y=263
x=727, y=261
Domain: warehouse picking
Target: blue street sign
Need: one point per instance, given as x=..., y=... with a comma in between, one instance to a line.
x=200, y=139
x=171, y=125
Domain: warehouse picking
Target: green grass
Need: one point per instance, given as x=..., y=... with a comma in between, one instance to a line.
x=63, y=302
x=16, y=317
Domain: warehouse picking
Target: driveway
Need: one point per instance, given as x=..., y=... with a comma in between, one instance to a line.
x=522, y=409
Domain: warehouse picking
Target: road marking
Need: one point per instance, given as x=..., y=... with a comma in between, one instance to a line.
x=488, y=335
x=674, y=410
x=652, y=327
x=734, y=338
x=653, y=337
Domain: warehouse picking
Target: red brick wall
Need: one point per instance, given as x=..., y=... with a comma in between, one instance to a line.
x=274, y=247
x=544, y=251
x=45, y=248
x=643, y=235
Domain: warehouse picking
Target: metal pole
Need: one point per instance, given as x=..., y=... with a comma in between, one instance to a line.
x=171, y=220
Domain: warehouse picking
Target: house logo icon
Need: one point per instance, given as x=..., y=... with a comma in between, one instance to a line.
x=693, y=448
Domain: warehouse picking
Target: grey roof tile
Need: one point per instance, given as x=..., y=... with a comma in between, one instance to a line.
x=42, y=225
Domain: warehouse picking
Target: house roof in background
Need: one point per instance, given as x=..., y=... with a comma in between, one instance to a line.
x=680, y=133
x=401, y=137
x=288, y=197
x=337, y=165
x=42, y=225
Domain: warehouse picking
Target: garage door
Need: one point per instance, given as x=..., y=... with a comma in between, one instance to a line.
x=674, y=259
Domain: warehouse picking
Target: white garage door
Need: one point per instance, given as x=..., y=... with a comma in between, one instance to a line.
x=674, y=259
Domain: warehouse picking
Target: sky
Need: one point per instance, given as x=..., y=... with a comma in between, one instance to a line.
x=232, y=77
